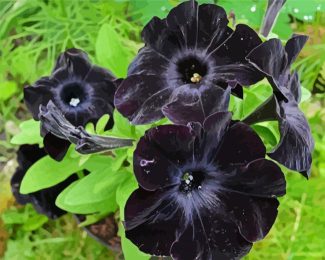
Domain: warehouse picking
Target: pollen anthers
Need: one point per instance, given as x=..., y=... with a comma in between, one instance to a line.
x=196, y=78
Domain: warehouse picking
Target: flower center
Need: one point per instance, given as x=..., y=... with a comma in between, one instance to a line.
x=73, y=94
x=191, y=181
x=192, y=70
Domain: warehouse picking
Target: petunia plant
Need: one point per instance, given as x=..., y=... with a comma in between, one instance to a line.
x=186, y=153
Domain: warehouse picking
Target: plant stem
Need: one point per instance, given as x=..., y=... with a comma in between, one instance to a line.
x=272, y=11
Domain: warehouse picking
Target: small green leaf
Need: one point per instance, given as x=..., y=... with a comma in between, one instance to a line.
x=34, y=222
x=47, y=172
x=305, y=94
x=95, y=193
x=7, y=89
x=266, y=135
x=110, y=51
x=254, y=96
x=101, y=124
x=124, y=191
x=30, y=133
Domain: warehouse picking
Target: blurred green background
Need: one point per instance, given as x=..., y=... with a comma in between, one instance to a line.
x=34, y=32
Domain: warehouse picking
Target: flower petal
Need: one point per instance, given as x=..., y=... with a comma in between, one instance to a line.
x=210, y=237
x=189, y=103
x=157, y=36
x=240, y=145
x=260, y=178
x=183, y=20
x=296, y=144
x=148, y=62
x=55, y=147
x=38, y=94
x=254, y=216
x=294, y=45
x=135, y=91
x=153, y=162
x=73, y=61
x=151, y=221
x=230, y=52
x=213, y=29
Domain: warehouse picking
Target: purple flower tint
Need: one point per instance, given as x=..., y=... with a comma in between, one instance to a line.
x=204, y=192
x=189, y=60
x=296, y=144
x=43, y=200
x=82, y=91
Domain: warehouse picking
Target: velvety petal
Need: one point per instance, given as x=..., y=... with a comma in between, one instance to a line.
x=243, y=74
x=260, y=178
x=135, y=91
x=254, y=216
x=98, y=74
x=151, y=108
x=151, y=221
x=296, y=144
x=294, y=87
x=294, y=46
x=55, y=147
x=210, y=237
x=152, y=167
x=213, y=29
x=175, y=142
x=148, y=62
x=73, y=61
x=269, y=57
x=192, y=103
x=240, y=145
x=183, y=20
x=237, y=46
x=163, y=41
x=38, y=94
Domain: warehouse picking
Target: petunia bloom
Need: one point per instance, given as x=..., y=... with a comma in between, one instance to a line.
x=188, y=61
x=296, y=144
x=204, y=192
x=82, y=91
x=43, y=200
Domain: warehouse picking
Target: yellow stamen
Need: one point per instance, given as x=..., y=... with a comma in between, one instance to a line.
x=196, y=78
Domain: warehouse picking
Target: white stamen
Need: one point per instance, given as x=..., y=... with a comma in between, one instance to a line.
x=74, y=102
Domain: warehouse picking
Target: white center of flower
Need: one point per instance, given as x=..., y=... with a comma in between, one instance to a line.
x=74, y=102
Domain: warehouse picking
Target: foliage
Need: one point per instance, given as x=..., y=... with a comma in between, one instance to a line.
x=32, y=33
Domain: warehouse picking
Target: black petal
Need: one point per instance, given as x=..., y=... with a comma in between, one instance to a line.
x=151, y=221
x=140, y=98
x=296, y=144
x=240, y=145
x=192, y=103
x=159, y=155
x=293, y=47
x=55, y=147
x=38, y=94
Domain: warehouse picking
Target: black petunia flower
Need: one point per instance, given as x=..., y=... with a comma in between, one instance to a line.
x=205, y=192
x=187, y=63
x=296, y=144
x=43, y=200
x=82, y=91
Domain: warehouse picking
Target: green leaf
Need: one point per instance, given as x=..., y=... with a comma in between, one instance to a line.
x=305, y=94
x=30, y=133
x=254, y=96
x=47, y=172
x=7, y=89
x=97, y=162
x=266, y=135
x=95, y=193
x=122, y=126
x=34, y=222
x=124, y=191
x=101, y=124
x=110, y=51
